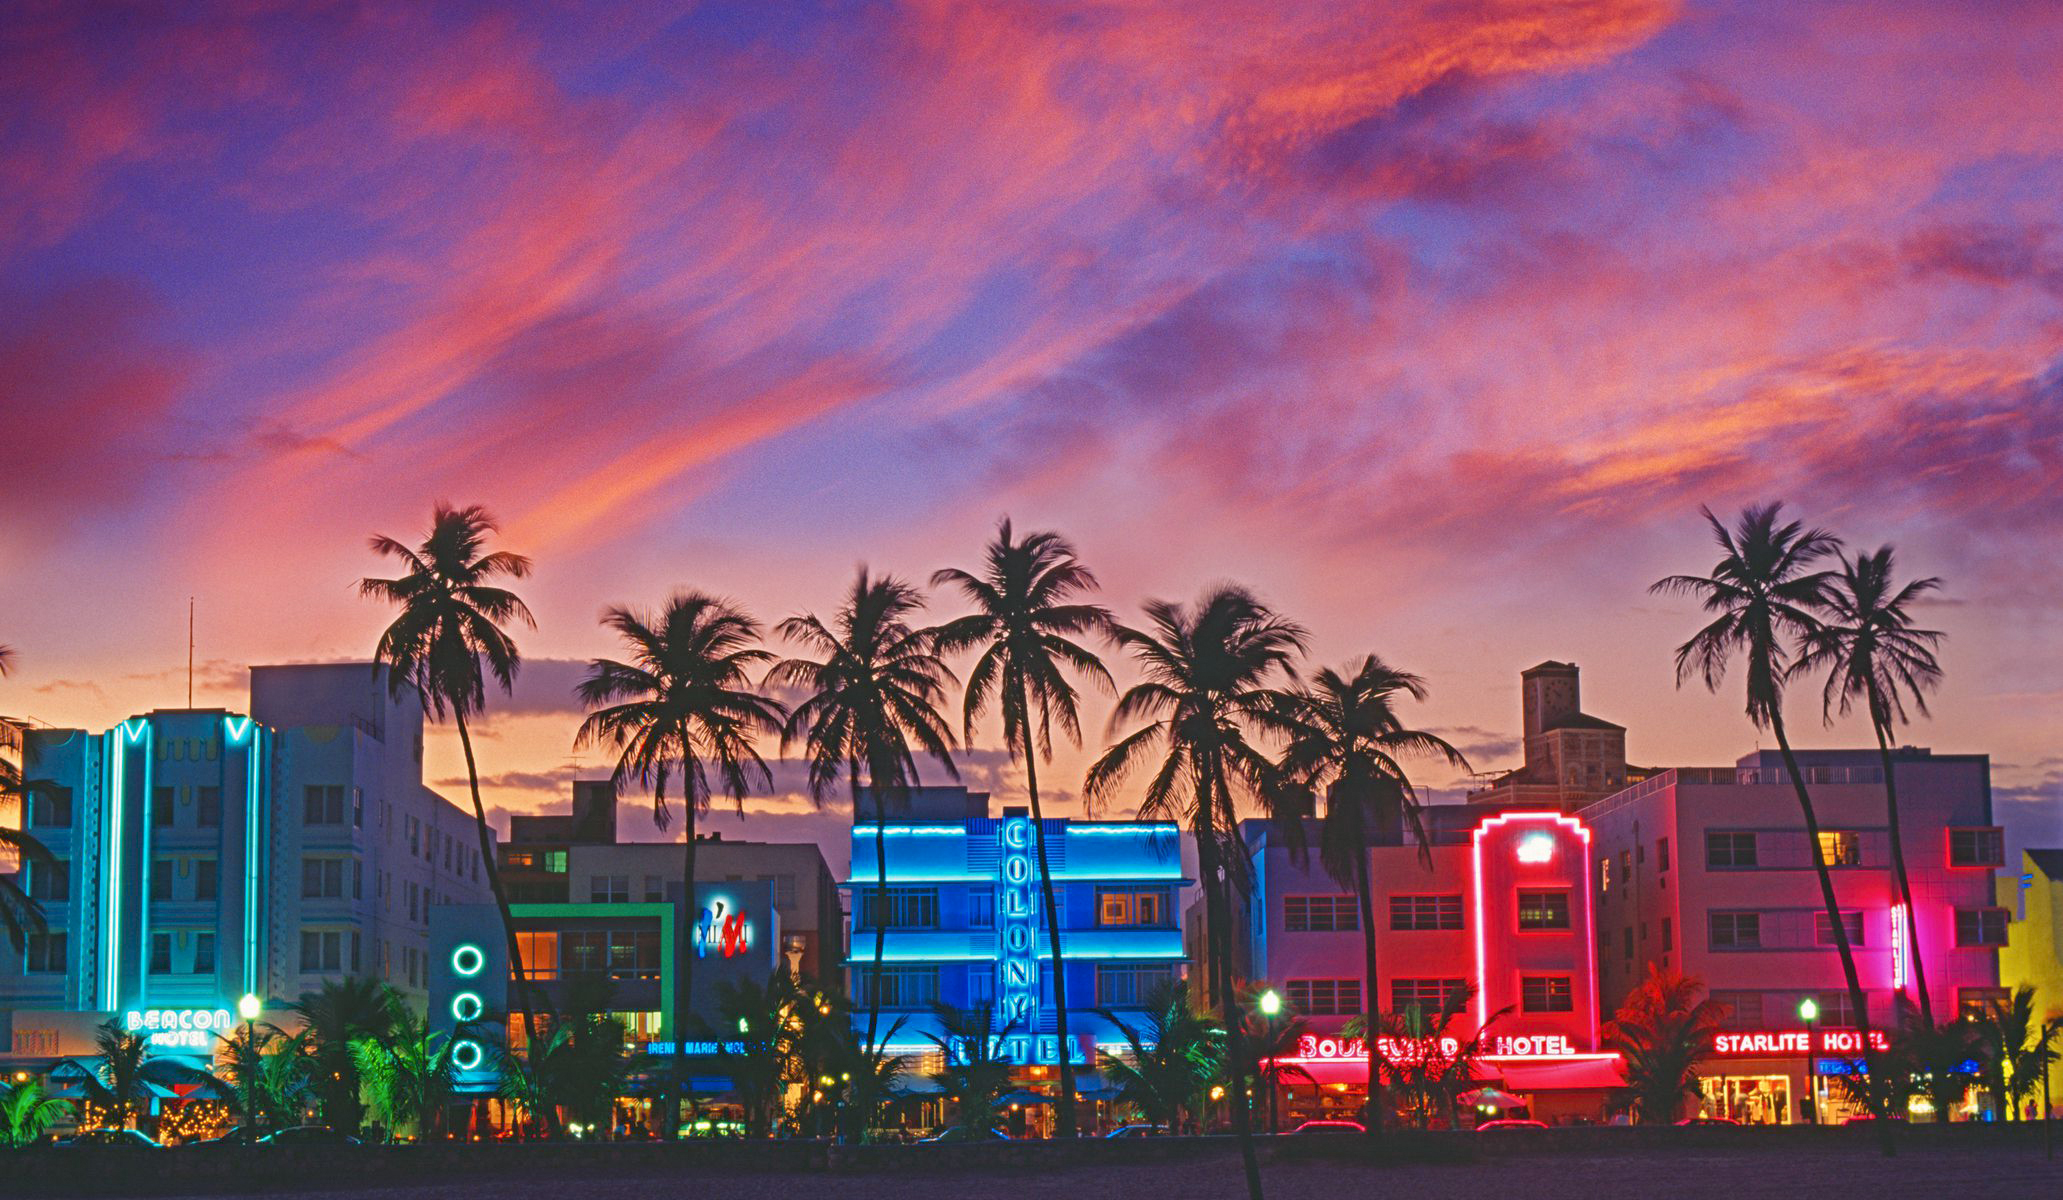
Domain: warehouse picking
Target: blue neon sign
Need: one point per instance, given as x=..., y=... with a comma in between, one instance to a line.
x=1017, y=964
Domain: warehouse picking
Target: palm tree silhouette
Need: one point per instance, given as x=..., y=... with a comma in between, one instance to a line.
x=1345, y=739
x=1664, y=1028
x=1209, y=685
x=1025, y=621
x=682, y=710
x=445, y=642
x=1765, y=592
x=872, y=700
x=1872, y=652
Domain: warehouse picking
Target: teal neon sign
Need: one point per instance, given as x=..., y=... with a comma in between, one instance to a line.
x=468, y=960
x=1017, y=964
x=467, y=1007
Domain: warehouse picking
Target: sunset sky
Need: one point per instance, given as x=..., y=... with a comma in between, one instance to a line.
x=1433, y=323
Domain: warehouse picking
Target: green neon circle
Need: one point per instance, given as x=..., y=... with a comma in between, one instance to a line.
x=467, y=1055
x=469, y=960
x=467, y=1006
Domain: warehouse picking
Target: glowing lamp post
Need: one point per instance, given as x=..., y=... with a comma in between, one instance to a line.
x=1808, y=1012
x=1271, y=1003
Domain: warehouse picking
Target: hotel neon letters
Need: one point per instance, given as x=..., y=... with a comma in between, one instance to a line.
x=178, y=1028
x=1017, y=965
x=1793, y=1041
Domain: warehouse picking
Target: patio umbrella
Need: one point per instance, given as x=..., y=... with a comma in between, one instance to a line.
x=1491, y=1097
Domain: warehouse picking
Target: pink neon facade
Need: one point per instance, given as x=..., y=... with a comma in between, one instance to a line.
x=1708, y=871
x=1483, y=862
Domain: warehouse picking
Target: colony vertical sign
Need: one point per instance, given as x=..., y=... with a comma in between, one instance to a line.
x=1017, y=964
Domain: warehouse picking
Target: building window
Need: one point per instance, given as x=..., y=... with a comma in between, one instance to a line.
x=1320, y=914
x=204, y=954
x=908, y=908
x=322, y=804
x=1976, y=847
x=1723, y=850
x=162, y=872
x=981, y=908
x=1836, y=1011
x=1426, y=995
x=415, y=835
x=321, y=951
x=161, y=954
x=357, y=880
x=1974, y=1002
x=207, y=884
x=322, y=879
x=358, y=808
x=608, y=889
x=1626, y=937
x=1661, y=854
x=1424, y=913
x=1128, y=986
x=1823, y=929
x=1736, y=930
x=49, y=883
x=554, y=863
x=1544, y=909
x=1546, y=994
x=655, y=889
x=1604, y=874
x=208, y=807
x=981, y=985
x=1840, y=848
x=51, y=807
x=1668, y=936
x=1981, y=926
x=1325, y=997
x=45, y=952
x=1744, y=1009
x=1149, y=909
x=163, y=805
x=898, y=987
x=539, y=949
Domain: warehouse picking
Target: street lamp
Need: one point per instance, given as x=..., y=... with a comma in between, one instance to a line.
x=1271, y=1002
x=248, y=1008
x=1808, y=1012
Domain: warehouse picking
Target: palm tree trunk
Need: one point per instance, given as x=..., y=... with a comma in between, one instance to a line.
x=1905, y=884
x=1373, y=1119
x=684, y=975
x=1064, y=1117
x=1218, y=931
x=880, y=894
x=517, y=975
x=1856, y=997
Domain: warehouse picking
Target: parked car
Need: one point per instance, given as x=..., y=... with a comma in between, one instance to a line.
x=1708, y=1121
x=1330, y=1126
x=308, y=1135
x=1509, y=1123
x=238, y=1135
x=1868, y=1118
x=961, y=1135
x=122, y=1139
x=1138, y=1131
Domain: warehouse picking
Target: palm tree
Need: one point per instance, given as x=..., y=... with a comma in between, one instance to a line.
x=2017, y=1045
x=445, y=642
x=407, y=1074
x=683, y=709
x=757, y=1027
x=1872, y=652
x=1664, y=1030
x=1427, y=1078
x=1345, y=740
x=1208, y=686
x=1271, y=1040
x=1026, y=620
x=120, y=1084
x=977, y=1073
x=866, y=1075
x=871, y=701
x=344, y=1012
x=1169, y=1058
x=240, y=1060
x=28, y=1110
x=1765, y=591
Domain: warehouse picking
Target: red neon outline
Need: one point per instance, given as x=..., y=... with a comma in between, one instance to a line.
x=1582, y=883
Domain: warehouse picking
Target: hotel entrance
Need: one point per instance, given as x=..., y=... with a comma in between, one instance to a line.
x=1749, y=1099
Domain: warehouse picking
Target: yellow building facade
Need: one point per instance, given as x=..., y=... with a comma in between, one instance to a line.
x=2033, y=953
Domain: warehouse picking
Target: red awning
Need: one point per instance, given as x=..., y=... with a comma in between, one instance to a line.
x=1582, y=1074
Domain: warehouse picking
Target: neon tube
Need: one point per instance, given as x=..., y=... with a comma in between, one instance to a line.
x=1588, y=934
x=1898, y=948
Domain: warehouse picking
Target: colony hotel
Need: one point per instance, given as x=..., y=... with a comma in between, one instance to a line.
x=963, y=924
x=204, y=855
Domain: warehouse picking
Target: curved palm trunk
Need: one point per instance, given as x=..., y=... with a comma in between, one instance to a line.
x=1064, y=1117
x=1905, y=884
x=684, y=975
x=501, y=900
x=1370, y=1001
x=880, y=896
x=1856, y=998
x=1218, y=932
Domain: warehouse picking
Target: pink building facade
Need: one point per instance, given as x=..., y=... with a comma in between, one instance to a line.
x=1709, y=871
x=1503, y=909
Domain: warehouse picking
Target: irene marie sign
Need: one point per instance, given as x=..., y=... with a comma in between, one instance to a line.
x=1781, y=1042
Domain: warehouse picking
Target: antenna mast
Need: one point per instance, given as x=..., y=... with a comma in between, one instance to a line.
x=189, y=652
